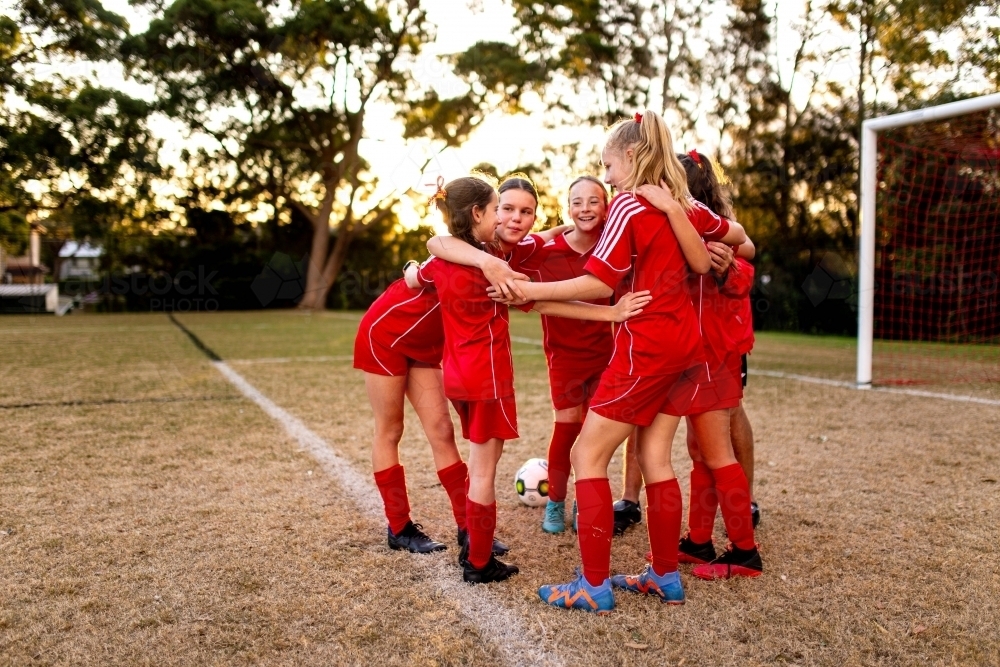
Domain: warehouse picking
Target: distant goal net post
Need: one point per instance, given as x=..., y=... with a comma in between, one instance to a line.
x=929, y=255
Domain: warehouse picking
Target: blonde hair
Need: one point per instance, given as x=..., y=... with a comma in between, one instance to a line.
x=653, y=157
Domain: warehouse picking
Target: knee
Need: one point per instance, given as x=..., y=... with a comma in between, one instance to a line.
x=390, y=431
x=442, y=433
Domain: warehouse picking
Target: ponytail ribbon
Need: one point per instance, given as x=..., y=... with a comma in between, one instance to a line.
x=694, y=156
x=441, y=193
x=638, y=117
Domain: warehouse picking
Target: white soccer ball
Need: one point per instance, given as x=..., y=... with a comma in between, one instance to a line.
x=532, y=482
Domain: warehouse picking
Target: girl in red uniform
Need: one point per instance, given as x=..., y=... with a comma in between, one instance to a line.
x=398, y=346
x=717, y=479
x=576, y=352
x=478, y=367
x=652, y=353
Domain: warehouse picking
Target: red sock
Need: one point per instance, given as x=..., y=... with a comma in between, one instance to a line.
x=453, y=480
x=596, y=521
x=391, y=484
x=563, y=436
x=482, y=522
x=734, y=499
x=664, y=511
x=704, y=503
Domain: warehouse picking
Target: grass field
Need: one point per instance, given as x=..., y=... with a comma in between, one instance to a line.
x=150, y=514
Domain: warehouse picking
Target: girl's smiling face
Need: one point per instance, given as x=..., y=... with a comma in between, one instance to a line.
x=517, y=215
x=486, y=221
x=588, y=206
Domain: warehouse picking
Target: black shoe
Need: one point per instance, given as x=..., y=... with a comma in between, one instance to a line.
x=627, y=514
x=499, y=548
x=413, y=540
x=755, y=514
x=693, y=552
x=494, y=571
x=733, y=562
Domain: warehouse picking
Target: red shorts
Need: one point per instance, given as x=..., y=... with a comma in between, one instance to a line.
x=570, y=388
x=722, y=390
x=373, y=357
x=634, y=399
x=484, y=420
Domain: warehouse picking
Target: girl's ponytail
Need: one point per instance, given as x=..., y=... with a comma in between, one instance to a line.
x=457, y=199
x=653, y=158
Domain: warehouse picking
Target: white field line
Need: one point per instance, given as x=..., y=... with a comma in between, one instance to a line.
x=961, y=398
x=528, y=341
x=495, y=623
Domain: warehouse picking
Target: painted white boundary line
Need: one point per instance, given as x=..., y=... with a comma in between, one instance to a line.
x=961, y=398
x=529, y=341
x=494, y=622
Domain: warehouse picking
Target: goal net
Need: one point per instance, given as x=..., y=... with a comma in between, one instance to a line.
x=934, y=306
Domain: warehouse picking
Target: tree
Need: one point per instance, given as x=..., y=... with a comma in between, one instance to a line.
x=285, y=91
x=73, y=153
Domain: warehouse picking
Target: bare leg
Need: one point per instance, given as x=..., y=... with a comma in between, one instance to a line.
x=631, y=473
x=742, y=436
x=711, y=432
x=386, y=396
x=572, y=415
x=598, y=441
x=483, y=470
x=654, y=443
x=425, y=390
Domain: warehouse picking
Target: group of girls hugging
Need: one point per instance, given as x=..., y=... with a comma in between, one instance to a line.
x=663, y=261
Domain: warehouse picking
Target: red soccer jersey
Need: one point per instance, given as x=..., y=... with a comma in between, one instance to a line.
x=664, y=339
x=477, y=361
x=569, y=344
x=525, y=252
x=407, y=320
x=739, y=282
x=718, y=307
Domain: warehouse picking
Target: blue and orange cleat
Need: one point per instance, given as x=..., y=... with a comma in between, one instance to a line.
x=579, y=594
x=668, y=587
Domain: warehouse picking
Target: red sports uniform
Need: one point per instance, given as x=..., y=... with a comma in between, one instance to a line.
x=576, y=351
x=401, y=329
x=737, y=286
x=478, y=366
x=653, y=350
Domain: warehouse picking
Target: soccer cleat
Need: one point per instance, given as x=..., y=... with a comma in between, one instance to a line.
x=494, y=570
x=499, y=548
x=755, y=513
x=627, y=514
x=668, y=587
x=693, y=552
x=733, y=562
x=555, y=517
x=579, y=594
x=414, y=540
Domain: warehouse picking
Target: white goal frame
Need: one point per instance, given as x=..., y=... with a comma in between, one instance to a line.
x=869, y=190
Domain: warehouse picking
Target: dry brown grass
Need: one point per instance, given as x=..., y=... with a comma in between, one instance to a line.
x=194, y=533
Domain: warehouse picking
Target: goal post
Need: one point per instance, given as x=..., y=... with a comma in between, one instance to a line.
x=869, y=192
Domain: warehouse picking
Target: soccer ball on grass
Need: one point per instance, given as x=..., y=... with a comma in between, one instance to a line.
x=532, y=482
